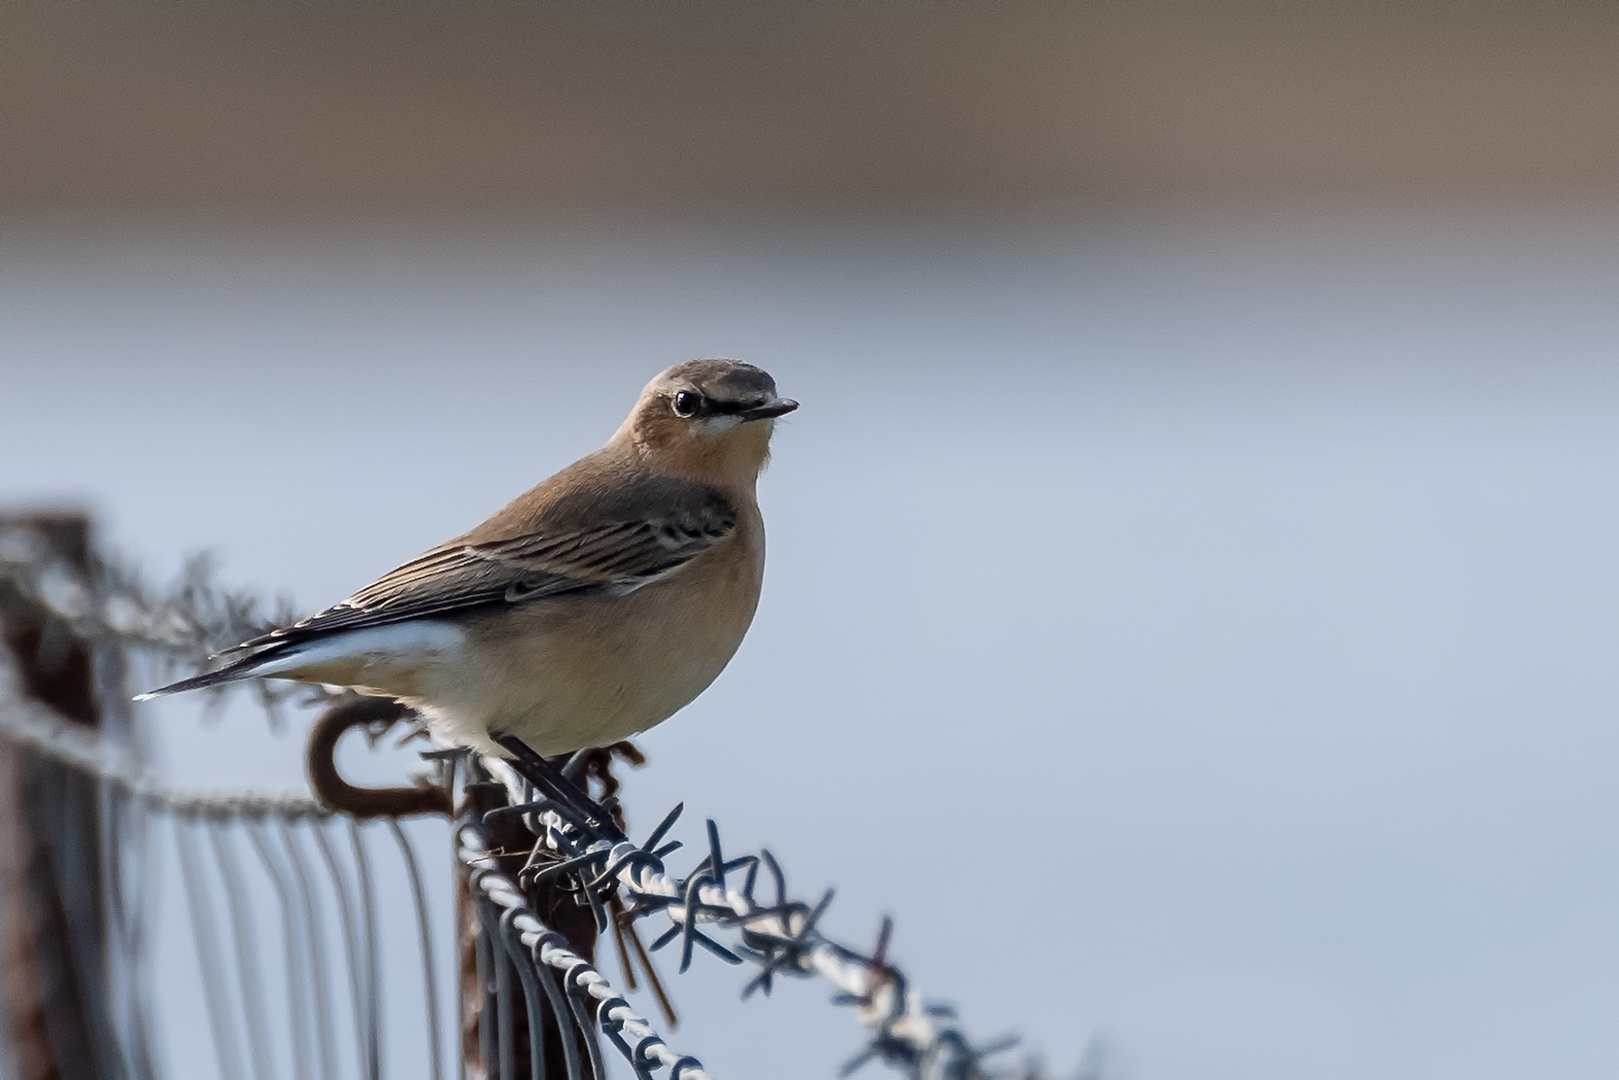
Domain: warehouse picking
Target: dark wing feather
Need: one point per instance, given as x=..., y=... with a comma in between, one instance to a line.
x=612, y=545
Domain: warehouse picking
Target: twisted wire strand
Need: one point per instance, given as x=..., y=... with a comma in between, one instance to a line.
x=639, y=1040
x=111, y=606
x=881, y=1000
x=904, y=1030
x=26, y=723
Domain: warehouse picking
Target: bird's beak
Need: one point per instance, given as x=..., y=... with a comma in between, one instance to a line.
x=776, y=407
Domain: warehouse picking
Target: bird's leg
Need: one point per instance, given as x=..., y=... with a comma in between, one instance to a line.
x=550, y=782
x=596, y=763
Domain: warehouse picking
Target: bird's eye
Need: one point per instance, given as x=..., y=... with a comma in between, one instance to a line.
x=687, y=403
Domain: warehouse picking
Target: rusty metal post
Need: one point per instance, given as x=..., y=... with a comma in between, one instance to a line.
x=54, y=1000
x=555, y=906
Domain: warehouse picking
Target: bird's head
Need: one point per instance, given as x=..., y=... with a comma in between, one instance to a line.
x=708, y=420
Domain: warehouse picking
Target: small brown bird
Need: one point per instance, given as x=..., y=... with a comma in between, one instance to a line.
x=594, y=606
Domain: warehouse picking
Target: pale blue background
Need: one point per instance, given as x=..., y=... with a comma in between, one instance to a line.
x=1197, y=631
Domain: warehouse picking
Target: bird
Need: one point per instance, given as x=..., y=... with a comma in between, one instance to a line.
x=592, y=607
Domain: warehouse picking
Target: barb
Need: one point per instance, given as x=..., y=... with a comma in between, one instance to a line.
x=780, y=938
x=633, y=1034
x=109, y=605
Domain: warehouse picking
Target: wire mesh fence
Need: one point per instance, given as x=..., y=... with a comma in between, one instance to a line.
x=310, y=917
x=260, y=875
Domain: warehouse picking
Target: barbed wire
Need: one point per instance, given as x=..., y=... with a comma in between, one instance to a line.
x=779, y=938
x=34, y=726
x=529, y=940
x=109, y=604
x=177, y=627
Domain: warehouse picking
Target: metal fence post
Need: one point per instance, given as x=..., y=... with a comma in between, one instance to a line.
x=554, y=905
x=53, y=990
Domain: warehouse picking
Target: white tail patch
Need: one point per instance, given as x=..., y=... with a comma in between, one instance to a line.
x=404, y=644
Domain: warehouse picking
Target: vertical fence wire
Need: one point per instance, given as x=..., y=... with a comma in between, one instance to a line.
x=483, y=953
x=244, y=941
x=209, y=951
x=500, y=965
x=292, y=953
x=320, y=1003
x=370, y=954
x=523, y=965
x=424, y=939
x=132, y=871
x=353, y=945
x=218, y=896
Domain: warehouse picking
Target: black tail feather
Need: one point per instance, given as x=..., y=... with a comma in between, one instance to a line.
x=244, y=668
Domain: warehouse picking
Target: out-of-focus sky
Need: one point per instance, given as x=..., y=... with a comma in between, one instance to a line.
x=1191, y=605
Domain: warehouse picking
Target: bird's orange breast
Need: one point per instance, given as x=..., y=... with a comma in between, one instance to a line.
x=566, y=673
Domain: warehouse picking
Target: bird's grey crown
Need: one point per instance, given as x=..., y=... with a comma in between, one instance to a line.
x=721, y=380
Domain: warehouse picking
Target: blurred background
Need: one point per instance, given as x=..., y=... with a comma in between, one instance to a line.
x=1191, y=608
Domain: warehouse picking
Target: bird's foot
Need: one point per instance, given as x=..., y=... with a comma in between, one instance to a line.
x=567, y=796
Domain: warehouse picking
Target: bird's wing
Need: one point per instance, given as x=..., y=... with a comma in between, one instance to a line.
x=613, y=546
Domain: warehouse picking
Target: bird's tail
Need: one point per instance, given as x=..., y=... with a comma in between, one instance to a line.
x=245, y=668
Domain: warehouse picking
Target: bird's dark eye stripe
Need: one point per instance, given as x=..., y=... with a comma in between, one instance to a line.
x=689, y=403
x=730, y=408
